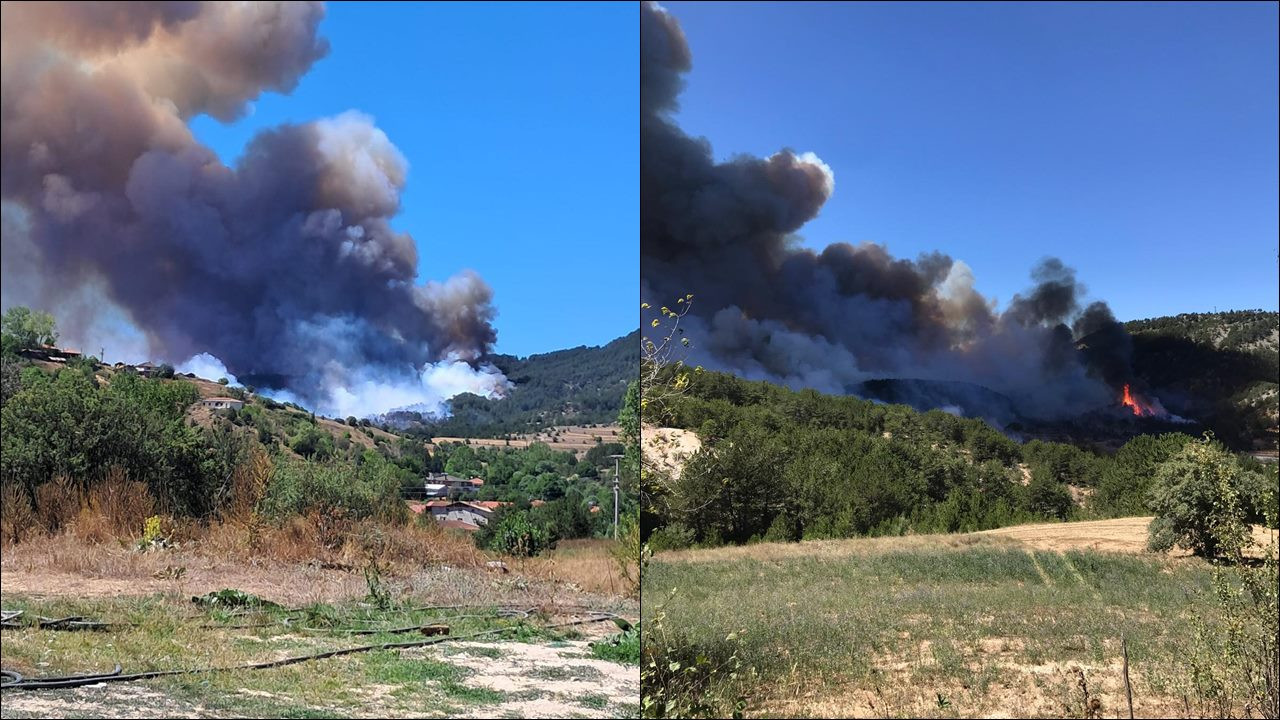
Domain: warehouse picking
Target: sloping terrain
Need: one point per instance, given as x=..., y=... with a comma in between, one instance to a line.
x=577, y=386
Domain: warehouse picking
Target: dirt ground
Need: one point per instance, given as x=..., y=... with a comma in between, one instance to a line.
x=556, y=680
x=667, y=449
x=534, y=679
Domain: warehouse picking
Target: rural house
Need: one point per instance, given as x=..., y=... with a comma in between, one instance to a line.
x=474, y=514
x=442, y=484
x=222, y=403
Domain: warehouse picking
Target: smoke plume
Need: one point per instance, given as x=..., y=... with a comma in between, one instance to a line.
x=766, y=308
x=284, y=267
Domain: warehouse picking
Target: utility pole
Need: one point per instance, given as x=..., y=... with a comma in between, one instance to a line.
x=615, y=494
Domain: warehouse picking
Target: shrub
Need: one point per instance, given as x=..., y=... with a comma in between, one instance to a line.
x=115, y=508
x=1196, y=496
x=17, y=518
x=513, y=533
x=370, y=489
x=57, y=504
x=680, y=678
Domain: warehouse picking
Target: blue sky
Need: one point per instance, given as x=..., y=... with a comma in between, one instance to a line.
x=1138, y=142
x=520, y=123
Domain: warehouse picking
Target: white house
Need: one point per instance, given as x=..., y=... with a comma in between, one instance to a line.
x=222, y=403
x=473, y=513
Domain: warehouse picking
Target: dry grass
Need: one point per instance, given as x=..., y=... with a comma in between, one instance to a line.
x=586, y=564
x=57, y=503
x=117, y=508
x=1123, y=535
x=17, y=517
x=577, y=439
x=993, y=624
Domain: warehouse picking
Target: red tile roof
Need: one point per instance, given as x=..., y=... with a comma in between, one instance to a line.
x=537, y=503
x=417, y=507
x=488, y=504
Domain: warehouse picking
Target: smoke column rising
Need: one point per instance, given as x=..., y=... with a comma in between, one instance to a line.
x=285, y=267
x=766, y=308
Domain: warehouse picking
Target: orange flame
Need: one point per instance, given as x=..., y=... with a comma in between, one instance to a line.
x=1139, y=406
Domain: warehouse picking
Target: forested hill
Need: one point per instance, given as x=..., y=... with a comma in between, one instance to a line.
x=1220, y=368
x=1251, y=331
x=580, y=385
x=779, y=464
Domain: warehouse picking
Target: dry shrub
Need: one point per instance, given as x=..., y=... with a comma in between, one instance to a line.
x=586, y=563
x=17, y=518
x=248, y=484
x=114, y=508
x=404, y=547
x=314, y=537
x=329, y=538
x=57, y=503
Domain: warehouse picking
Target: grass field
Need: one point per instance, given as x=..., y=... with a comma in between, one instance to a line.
x=931, y=626
x=524, y=672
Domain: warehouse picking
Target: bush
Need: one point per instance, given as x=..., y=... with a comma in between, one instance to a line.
x=370, y=489
x=1196, y=496
x=512, y=533
x=1047, y=497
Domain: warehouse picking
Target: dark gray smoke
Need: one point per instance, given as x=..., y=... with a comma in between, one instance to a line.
x=284, y=267
x=766, y=308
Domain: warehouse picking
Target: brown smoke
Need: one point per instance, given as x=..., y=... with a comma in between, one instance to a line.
x=285, y=266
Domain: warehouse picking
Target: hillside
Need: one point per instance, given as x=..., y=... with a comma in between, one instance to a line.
x=776, y=464
x=1250, y=331
x=577, y=386
x=1219, y=368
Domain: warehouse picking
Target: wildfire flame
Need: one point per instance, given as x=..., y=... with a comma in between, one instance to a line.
x=1141, y=406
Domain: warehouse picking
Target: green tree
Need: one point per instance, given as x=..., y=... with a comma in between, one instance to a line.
x=1196, y=497
x=23, y=328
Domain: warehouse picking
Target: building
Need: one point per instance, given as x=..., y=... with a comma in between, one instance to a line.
x=50, y=353
x=471, y=513
x=222, y=403
x=451, y=484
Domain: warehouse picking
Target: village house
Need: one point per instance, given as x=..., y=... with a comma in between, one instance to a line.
x=222, y=403
x=50, y=353
x=460, y=514
x=440, y=485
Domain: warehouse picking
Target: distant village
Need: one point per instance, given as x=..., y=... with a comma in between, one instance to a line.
x=457, y=513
